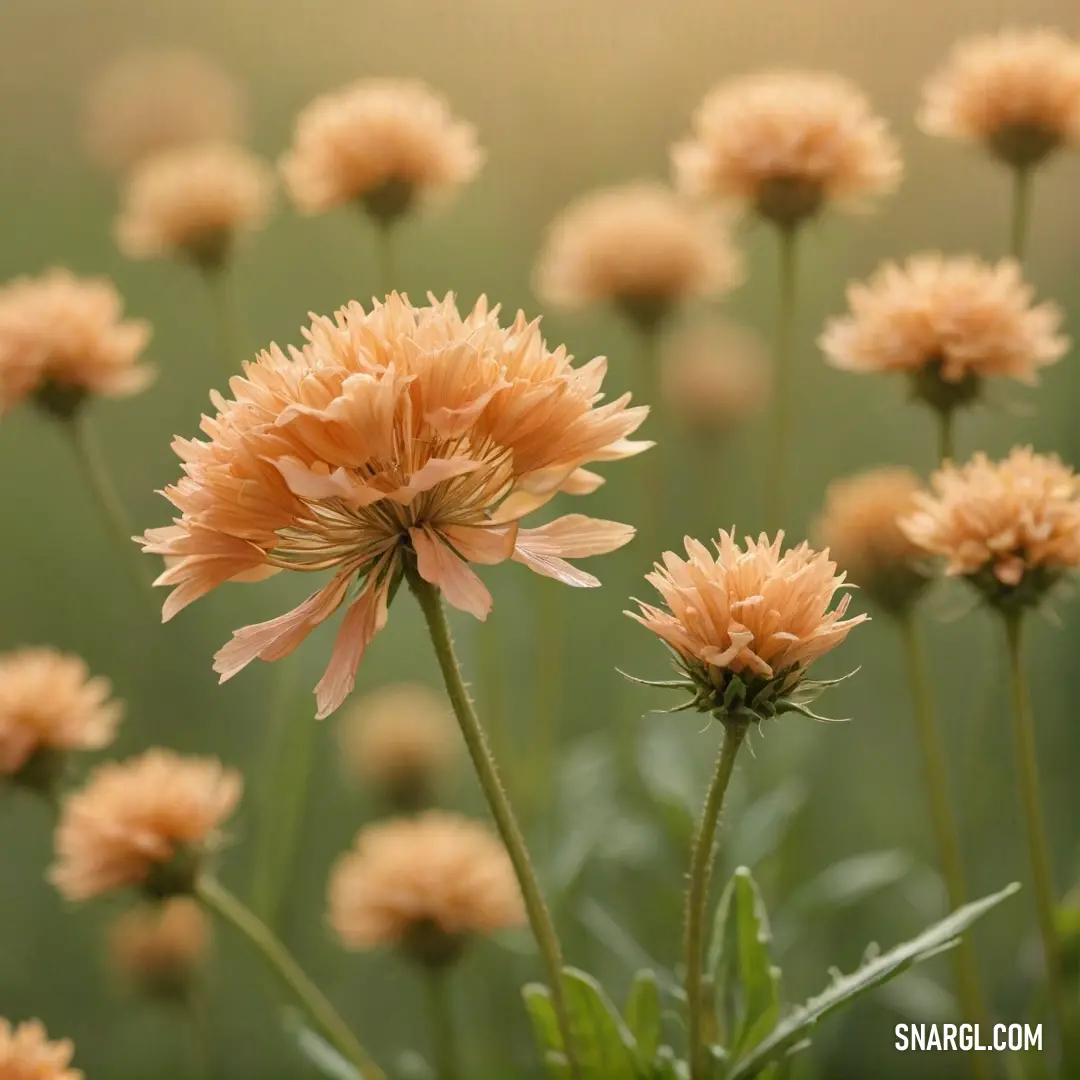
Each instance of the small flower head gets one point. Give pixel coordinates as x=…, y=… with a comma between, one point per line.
x=27, y=1054
x=640, y=247
x=50, y=705
x=155, y=100
x=948, y=324
x=786, y=144
x=400, y=739
x=1012, y=528
x=1017, y=92
x=715, y=375
x=424, y=884
x=193, y=202
x=160, y=948
x=401, y=441
x=860, y=527
x=145, y=822
x=385, y=144
x=746, y=624
x=62, y=339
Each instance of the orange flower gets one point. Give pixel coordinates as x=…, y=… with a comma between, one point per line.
x=746, y=624
x=161, y=946
x=382, y=142
x=49, y=703
x=63, y=337
x=397, y=439
x=640, y=247
x=159, y=99
x=1016, y=91
x=400, y=738
x=425, y=883
x=860, y=527
x=194, y=201
x=787, y=143
x=146, y=821
x=1012, y=527
x=947, y=323
x=27, y=1054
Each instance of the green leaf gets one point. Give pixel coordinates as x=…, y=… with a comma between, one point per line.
x=747, y=982
x=643, y=1015
x=545, y=1027
x=316, y=1050
x=794, y=1030
x=604, y=1046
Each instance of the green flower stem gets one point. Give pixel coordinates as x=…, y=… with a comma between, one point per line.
x=697, y=897
x=1021, y=212
x=653, y=516
x=782, y=378
x=1042, y=880
x=935, y=767
x=387, y=256
x=946, y=431
x=198, y=1027
x=218, y=899
x=547, y=691
x=219, y=280
x=99, y=483
x=479, y=751
x=286, y=787
x=441, y=1020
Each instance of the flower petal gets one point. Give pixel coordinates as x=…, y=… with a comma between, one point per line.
x=433, y=472
x=439, y=565
x=482, y=544
x=575, y=536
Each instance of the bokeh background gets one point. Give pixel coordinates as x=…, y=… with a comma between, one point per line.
x=567, y=96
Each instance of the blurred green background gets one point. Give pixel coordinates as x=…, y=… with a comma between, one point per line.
x=567, y=96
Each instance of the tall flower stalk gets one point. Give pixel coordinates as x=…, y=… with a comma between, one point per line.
x=783, y=390
x=499, y=804
x=1020, y=224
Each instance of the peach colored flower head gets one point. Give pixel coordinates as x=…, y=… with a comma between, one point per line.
x=640, y=247
x=194, y=201
x=747, y=623
x=160, y=947
x=50, y=703
x=397, y=439
x=63, y=337
x=714, y=375
x=1016, y=91
x=27, y=1054
x=159, y=99
x=424, y=883
x=787, y=143
x=144, y=822
x=383, y=143
x=947, y=323
x=1012, y=527
x=400, y=738
x=860, y=527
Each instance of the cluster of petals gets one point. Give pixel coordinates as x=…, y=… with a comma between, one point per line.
x=69, y=331
x=1009, y=517
x=27, y=1054
x=49, y=701
x=637, y=243
x=438, y=869
x=352, y=142
x=756, y=608
x=399, y=436
x=970, y=317
x=192, y=199
x=811, y=127
x=1013, y=79
x=135, y=815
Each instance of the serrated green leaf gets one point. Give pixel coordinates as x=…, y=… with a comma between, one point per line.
x=796, y=1028
x=316, y=1050
x=669, y=1067
x=643, y=1015
x=604, y=1047
x=546, y=1032
x=747, y=982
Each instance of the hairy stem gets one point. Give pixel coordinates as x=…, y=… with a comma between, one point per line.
x=697, y=896
x=487, y=773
